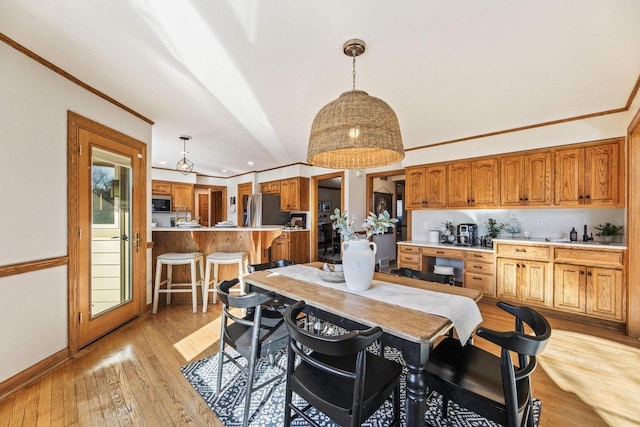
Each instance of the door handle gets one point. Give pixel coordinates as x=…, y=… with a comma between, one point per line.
x=137, y=242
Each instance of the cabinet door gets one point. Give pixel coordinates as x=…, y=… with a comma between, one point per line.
x=569, y=177
x=159, y=187
x=459, y=184
x=537, y=179
x=182, y=195
x=507, y=278
x=512, y=181
x=570, y=282
x=288, y=190
x=415, y=188
x=605, y=293
x=535, y=284
x=280, y=249
x=601, y=175
x=435, y=186
x=484, y=183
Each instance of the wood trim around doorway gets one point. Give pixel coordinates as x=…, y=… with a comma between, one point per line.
x=314, y=213
x=633, y=227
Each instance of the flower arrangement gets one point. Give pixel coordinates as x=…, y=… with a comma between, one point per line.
x=608, y=229
x=373, y=224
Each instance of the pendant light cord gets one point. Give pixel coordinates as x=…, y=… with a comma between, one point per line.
x=353, y=55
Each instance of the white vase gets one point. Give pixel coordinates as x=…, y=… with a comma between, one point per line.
x=358, y=261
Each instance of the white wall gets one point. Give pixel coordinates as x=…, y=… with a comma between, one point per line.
x=33, y=185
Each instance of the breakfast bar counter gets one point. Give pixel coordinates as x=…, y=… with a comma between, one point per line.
x=254, y=241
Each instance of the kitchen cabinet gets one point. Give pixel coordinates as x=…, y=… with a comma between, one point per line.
x=523, y=274
x=473, y=183
x=271, y=187
x=409, y=257
x=294, y=194
x=426, y=187
x=525, y=180
x=479, y=272
x=182, y=195
x=588, y=175
x=291, y=245
x=590, y=282
x=161, y=187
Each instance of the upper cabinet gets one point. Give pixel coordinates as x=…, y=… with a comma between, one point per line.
x=525, y=180
x=426, y=187
x=160, y=187
x=294, y=194
x=473, y=184
x=271, y=187
x=588, y=175
x=181, y=194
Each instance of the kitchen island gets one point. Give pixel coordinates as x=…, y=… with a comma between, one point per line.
x=254, y=241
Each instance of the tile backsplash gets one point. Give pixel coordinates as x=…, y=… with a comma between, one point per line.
x=541, y=223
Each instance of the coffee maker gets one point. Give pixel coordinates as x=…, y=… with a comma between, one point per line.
x=467, y=234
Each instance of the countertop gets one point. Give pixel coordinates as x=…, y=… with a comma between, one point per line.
x=261, y=228
x=523, y=241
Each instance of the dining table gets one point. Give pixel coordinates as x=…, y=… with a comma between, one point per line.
x=406, y=324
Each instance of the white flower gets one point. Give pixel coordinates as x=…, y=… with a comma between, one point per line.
x=373, y=224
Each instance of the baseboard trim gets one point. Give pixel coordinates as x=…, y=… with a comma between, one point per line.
x=33, y=372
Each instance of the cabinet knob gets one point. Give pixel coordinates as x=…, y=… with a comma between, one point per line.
x=589, y=274
x=582, y=273
x=587, y=197
x=580, y=197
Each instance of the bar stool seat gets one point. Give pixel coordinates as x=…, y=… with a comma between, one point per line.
x=178, y=258
x=215, y=259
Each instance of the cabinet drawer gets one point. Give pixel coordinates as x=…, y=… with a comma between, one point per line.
x=478, y=267
x=442, y=253
x=478, y=256
x=404, y=249
x=480, y=282
x=409, y=259
x=284, y=236
x=589, y=257
x=523, y=251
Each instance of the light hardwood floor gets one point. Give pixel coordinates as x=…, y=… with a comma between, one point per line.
x=132, y=376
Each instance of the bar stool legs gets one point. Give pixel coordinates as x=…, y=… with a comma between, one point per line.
x=214, y=260
x=175, y=258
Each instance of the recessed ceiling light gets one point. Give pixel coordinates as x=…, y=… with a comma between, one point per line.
x=250, y=163
x=163, y=162
x=224, y=171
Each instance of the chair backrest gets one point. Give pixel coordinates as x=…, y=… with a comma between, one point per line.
x=342, y=345
x=423, y=275
x=250, y=300
x=267, y=265
x=327, y=230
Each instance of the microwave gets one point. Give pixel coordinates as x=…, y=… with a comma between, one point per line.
x=161, y=204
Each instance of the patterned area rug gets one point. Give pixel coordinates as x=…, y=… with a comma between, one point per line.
x=267, y=408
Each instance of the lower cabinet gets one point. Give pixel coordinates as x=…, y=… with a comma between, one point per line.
x=524, y=280
x=596, y=291
x=479, y=271
x=291, y=245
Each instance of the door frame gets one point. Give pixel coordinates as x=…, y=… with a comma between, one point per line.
x=313, y=241
x=75, y=122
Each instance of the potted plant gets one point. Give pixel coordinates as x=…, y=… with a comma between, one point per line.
x=493, y=228
x=608, y=232
x=358, y=253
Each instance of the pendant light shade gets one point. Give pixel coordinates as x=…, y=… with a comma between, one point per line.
x=184, y=166
x=355, y=131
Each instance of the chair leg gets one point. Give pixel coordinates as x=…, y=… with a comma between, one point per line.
x=156, y=290
x=194, y=286
x=445, y=406
x=169, y=277
x=221, y=355
x=288, y=393
x=205, y=287
x=396, y=405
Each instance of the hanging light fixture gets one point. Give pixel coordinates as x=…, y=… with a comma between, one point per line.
x=184, y=166
x=355, y=131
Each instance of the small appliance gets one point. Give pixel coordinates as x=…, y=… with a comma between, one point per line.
x=467, y=234
x=161, y=204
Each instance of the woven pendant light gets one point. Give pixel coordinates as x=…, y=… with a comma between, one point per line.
x=355, y=131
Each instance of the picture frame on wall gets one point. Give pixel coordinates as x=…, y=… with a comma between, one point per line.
x=383, y=202
x=325, y=206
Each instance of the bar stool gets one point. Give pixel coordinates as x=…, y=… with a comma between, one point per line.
x=177, y=258
x=215, y=259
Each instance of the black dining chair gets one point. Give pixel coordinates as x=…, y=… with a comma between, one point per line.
x=274, y=304
x=445, y=279
x=253, y=336
x=337, y=375
x=491, y=386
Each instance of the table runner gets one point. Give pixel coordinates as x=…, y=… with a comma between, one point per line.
x=463, y=312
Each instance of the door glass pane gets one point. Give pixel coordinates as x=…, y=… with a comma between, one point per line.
x=110, y=231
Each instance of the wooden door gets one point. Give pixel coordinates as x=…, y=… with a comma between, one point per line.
x=415, y=188
x=569, y=177
x=570, y=284
x=601, y=174
x=537, y=179
x=512, y=181
x=507, y=278
x=109, y=257
x=203, y=209
x=244, y=189
x=459, y=184
x=435, y=186
x=605, y=293
x=484, y=183
x=216, y=207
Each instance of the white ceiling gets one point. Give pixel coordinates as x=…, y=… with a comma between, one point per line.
x=245, y=78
